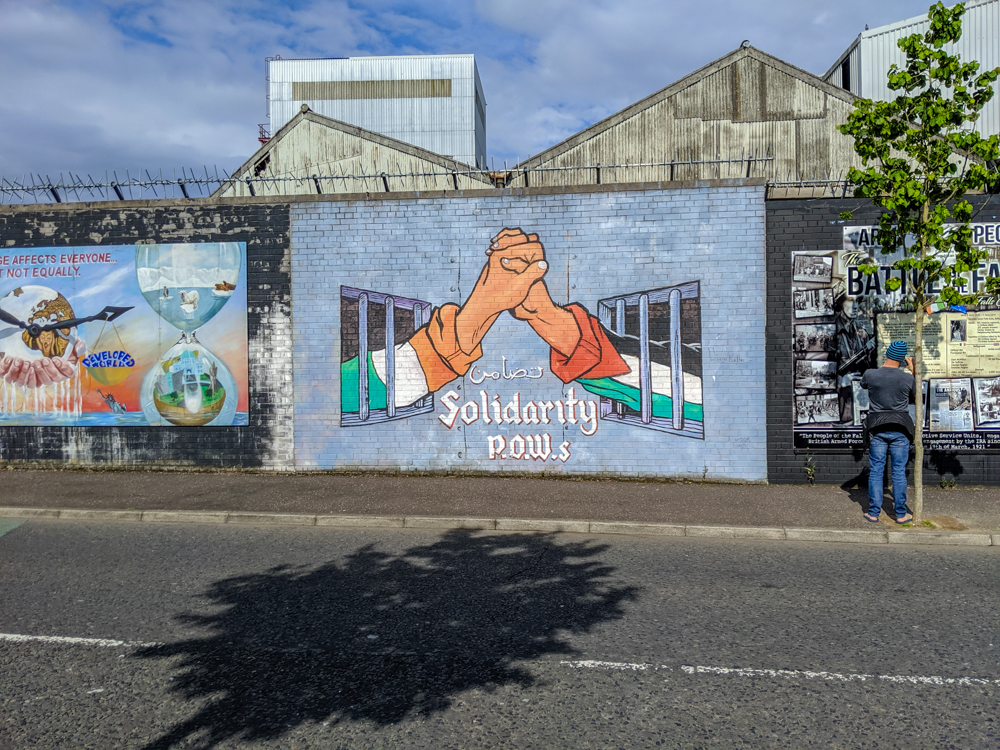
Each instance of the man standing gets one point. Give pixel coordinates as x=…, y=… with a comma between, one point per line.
x=890, y=391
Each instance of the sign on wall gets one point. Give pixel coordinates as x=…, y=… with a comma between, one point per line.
x=845, y=320
x=578, y=333
x=124, y=335
x=635, y=360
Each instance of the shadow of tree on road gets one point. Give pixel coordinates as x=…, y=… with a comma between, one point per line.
x=380, y=637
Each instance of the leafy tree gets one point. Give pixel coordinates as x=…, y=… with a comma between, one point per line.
x=921, y=157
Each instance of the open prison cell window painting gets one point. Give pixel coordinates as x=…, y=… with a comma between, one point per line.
x=391, y=384
x=658, y=333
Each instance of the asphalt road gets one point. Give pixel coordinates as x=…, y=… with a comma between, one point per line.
x=312, y=637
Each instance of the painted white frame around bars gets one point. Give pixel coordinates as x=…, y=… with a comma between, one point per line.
x=421, y=316
x=613, y=309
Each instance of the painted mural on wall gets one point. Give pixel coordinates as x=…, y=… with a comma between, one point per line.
x=843, y=322
x=635, y=360
x=124, y=335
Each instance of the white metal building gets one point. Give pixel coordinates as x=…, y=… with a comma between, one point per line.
x=435, y=102
x=864, y=67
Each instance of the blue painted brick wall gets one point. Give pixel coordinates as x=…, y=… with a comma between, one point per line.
x=598, y=245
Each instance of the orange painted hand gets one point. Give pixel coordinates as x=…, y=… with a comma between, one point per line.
x=516, y=262
x=556, y=325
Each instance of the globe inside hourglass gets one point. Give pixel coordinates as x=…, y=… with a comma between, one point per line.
x=187, y=285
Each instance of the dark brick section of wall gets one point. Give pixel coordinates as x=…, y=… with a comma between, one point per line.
x=815, y=225
x=267, y=441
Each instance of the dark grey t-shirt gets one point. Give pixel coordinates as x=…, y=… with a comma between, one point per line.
x=889, y=388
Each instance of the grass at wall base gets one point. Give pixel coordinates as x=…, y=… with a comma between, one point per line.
x=921, y=157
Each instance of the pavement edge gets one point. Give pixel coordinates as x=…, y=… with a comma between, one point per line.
x=848, y=536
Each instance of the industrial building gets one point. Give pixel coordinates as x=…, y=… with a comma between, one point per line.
x=319, y=155
x=863, y=68
x=435, y=102
x=747, y=114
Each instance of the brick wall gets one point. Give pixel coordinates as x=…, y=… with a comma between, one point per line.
x=267, y=441
x=815, y=225
x=599, y=245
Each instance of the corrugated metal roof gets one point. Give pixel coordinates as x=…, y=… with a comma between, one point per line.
x=316, y=154
x=745, y=104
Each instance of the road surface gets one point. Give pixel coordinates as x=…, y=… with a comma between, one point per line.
x=157, y=636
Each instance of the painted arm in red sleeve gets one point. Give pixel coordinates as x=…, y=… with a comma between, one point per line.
x=580, y=348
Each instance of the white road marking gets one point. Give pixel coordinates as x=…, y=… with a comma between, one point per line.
x=849, y=677
x=788, y=673
x=62, y=639
x=592, y=664
x=792, y=674
x=608, y=665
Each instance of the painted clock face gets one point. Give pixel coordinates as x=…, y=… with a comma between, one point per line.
x=35, y=304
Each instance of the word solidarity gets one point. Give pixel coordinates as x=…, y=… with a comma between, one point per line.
x=566, y=411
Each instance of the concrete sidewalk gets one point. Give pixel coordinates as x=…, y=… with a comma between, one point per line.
x=685, y=504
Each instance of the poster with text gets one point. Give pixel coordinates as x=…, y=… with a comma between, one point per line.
x=124, y=335
x=843, y=321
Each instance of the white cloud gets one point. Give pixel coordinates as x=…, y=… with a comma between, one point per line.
x=104, y=289
x=95, y=85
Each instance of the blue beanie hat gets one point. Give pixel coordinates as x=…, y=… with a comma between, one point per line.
x=896, y=351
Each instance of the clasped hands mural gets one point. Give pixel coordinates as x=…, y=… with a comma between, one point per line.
x=624, y=364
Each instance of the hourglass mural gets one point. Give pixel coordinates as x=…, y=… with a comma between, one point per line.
x=124, y=335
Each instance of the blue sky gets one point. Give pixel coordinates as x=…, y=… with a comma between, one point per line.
x=101, y=85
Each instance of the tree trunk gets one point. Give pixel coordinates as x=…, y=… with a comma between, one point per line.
x=918, y=375
x=918, y=432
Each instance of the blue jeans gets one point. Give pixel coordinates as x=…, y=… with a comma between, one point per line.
x=897, y=445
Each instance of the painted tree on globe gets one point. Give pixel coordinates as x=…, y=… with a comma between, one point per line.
x=921, y=157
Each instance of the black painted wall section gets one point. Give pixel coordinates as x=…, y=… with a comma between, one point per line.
x=267, y=441
x=815, y=225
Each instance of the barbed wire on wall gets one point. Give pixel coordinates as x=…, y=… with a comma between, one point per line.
x=144, y=185
x=323, y=179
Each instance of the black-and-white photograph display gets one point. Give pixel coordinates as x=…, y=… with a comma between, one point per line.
x=951, y=405
x=815, y=375
x=823, y=408
x=816, y=337
x=842, y=315
x=859, y=402
x=812, y=303
x=816, y=268
x=987, y=396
